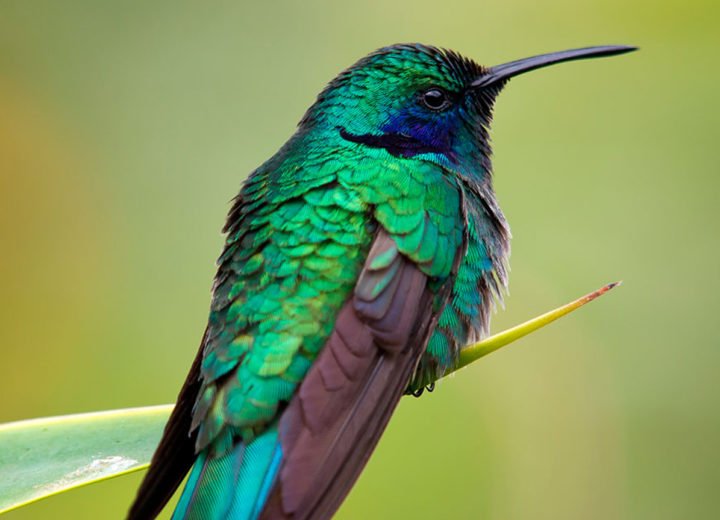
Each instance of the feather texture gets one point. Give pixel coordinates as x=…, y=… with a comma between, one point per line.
x=234, y=485
x=350, y=274
x=335, y=420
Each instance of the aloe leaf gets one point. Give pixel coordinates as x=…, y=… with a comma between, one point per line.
x=44, y=457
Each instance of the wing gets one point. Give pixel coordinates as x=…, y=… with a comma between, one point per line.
x=333, y=423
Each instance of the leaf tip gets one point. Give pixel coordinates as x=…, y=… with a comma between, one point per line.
x=595, y=294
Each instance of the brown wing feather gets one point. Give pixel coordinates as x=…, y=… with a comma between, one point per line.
x=174, y=455
x=333, y=423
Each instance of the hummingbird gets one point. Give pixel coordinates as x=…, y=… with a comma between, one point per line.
x=358, y=261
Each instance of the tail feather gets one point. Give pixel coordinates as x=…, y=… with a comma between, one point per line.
x=234, y=486
x=257, y=476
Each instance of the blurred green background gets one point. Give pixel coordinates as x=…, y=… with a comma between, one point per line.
x=126, y=127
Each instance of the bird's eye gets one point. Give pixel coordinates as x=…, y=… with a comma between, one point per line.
x=435, y=99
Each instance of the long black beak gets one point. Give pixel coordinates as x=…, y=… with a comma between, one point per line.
x=513, y=68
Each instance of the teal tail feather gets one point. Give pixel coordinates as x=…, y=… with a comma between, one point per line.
x=234, y=486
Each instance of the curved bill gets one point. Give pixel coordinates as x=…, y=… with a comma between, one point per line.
x=513, y=68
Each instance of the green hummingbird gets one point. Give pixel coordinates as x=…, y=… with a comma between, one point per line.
x=359, y=260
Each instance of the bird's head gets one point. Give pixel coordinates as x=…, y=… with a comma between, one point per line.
x=422, y=102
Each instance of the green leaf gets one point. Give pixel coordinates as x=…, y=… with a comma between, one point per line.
x=44, y=457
